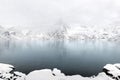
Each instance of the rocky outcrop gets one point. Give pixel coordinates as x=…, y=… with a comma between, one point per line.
x=112, y=70
x=7, y=72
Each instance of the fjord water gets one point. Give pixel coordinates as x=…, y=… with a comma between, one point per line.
x=86, y=58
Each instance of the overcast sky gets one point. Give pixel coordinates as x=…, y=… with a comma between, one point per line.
x=41, y=14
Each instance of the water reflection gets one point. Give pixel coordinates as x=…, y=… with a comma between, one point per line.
x=72, y=57
x=4, y=45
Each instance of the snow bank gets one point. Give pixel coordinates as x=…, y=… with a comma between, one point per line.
x=7, y=72
x=112, y=70
x=55, y=74
x=6, y=68
x=47, y=74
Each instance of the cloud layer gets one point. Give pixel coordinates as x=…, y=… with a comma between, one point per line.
x=43, y=14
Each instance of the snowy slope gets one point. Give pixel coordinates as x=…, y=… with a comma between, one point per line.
x=71, y=32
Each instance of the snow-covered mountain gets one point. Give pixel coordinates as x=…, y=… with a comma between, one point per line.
x=69, y=32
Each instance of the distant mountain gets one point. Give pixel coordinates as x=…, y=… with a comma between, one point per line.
x=69, y=32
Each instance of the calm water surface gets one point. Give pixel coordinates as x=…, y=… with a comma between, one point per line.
x=86, y=58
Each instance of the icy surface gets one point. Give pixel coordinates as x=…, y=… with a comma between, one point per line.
x=8, y=73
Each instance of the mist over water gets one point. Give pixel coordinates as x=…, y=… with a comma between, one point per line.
x=86, y=58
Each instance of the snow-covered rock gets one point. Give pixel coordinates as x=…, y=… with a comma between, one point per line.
x=112, y=70
x=6, y=68
x=7, y=72
x=47, y=74
x=57, y=72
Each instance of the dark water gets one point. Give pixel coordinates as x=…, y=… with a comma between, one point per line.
x=86, y=58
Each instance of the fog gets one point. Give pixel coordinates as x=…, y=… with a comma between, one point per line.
x=45, y=14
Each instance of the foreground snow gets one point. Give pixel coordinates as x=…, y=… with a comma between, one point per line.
x=69, y=32
x=7, y=72
x=112, y=70
x=47, y=74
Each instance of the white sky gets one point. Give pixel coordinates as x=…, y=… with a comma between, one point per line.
x=41, y=14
